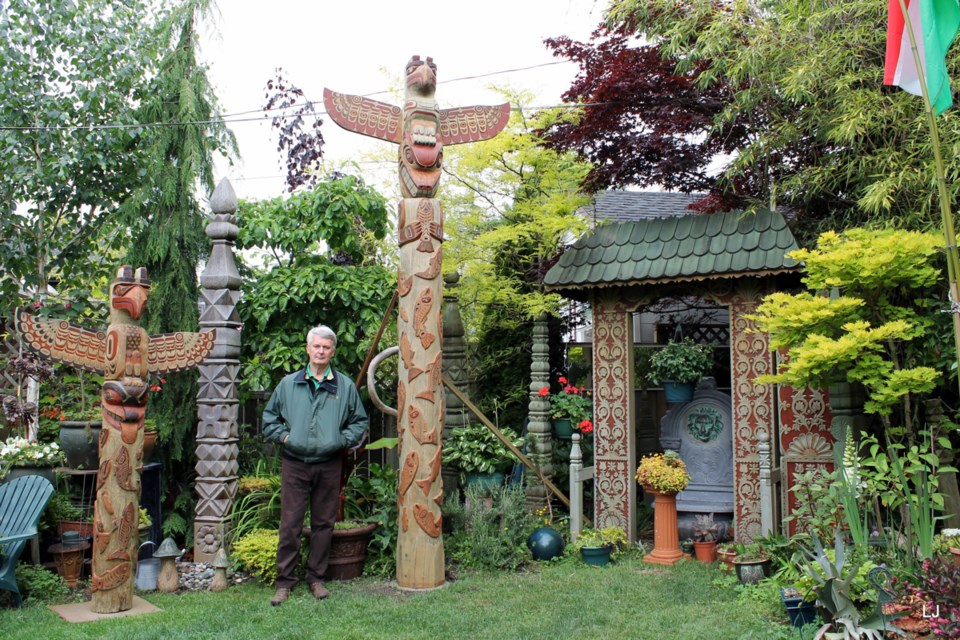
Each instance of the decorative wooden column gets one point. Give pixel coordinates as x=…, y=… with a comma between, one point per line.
x=421, y=130
x=615, y=457
x=538, y=425
x=753, y=406
x=217, y=402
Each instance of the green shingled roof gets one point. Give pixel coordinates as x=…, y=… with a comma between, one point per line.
x=690, y=247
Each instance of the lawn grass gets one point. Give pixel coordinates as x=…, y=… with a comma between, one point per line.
x=566, y=599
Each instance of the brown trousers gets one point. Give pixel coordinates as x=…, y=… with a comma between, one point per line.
x=318, y=485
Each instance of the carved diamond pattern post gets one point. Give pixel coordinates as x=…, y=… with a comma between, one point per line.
x=217, y=403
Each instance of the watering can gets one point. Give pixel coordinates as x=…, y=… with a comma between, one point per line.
x=147, y=571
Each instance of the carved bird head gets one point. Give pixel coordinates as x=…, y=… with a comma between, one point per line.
x=421, y=77
x=129, y=291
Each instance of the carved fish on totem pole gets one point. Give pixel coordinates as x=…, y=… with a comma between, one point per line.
x=125, y=355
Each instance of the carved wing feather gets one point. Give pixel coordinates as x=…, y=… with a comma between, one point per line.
x=471, y=124
x=64, y=342
x=180, y=350
x=363, y=115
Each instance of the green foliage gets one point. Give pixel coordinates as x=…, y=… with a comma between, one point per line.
x=371, y=495
x=257, y=506
x=862, y=334
x=475, y=449
x=68, y=64
x=837, y=580
x=307, y=280
x=511, y=207
x=681, y=361
x=39, y=584
x=257, y=553
x=490, y=533
x=809, y=118
x=589, y=537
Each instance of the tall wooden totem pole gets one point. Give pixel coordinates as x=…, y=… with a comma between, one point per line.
x=421, y=130
x=125, y=355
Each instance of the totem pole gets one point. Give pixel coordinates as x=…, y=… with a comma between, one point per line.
x=125, y=355
x=421, y=130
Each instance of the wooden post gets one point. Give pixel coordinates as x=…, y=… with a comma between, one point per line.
x=421, y=130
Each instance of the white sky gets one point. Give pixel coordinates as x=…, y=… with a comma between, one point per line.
x=361, y=47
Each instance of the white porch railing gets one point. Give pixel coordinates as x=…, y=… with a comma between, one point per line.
x=578, y=475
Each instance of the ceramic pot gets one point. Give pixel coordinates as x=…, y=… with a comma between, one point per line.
x=348, y=552
x=485, y=482
x=596, y=556
x=80, y=442
x=69, y=560
x=27, y=470
x=677, y=392
x=751, y=571
x=705, y=551
x=149, y=444
x=563, y=428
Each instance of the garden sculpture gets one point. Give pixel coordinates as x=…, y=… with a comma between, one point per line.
x=126, y=356
x=421, y=130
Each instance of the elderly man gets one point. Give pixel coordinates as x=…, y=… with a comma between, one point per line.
x=313, y=414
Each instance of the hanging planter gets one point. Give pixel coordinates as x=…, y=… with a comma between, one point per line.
x=678, y=366
x=80, y=442
x=677, y=392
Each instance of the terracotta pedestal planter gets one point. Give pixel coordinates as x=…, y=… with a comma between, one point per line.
x=69, y=560
x=666, y=540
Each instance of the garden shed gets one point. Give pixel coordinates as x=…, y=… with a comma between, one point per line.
x=650, y=247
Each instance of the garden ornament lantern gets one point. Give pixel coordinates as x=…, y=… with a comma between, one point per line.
x=220, y=564
x=126, y=355
x=169, y=579
x=421, y=130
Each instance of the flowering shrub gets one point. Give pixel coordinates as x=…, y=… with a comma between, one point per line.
x=571, y=402
x=663, y=472
x=20, y=452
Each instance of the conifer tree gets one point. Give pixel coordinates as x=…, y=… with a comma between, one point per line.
x=170, y=240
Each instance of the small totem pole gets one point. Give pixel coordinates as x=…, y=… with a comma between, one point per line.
x=125, y=355
x=421, y=130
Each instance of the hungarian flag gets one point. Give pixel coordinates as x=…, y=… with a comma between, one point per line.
x=935, y=24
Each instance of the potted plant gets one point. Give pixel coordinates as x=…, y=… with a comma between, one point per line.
x=19, y=456
x=801, y=608
x=705, y=532
x=947, y=543
x=571, y=409
x=751, y=563
x=726, y=552
x=479, y=454
x=679, y=365
x=664, y=475
x=598, y=546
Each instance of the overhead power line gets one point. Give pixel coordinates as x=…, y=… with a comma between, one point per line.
x=232, y=118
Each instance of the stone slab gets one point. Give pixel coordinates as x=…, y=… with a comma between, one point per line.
x=83, y=612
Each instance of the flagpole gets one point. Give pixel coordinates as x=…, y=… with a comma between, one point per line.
x=949, y=234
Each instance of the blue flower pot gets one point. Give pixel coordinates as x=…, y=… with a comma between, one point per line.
x=677, y=392
x=596, y=556
x=563, y=428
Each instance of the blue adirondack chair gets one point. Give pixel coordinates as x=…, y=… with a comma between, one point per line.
x=22, y=501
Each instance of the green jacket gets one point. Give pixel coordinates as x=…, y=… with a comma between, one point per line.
x=320, y=424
